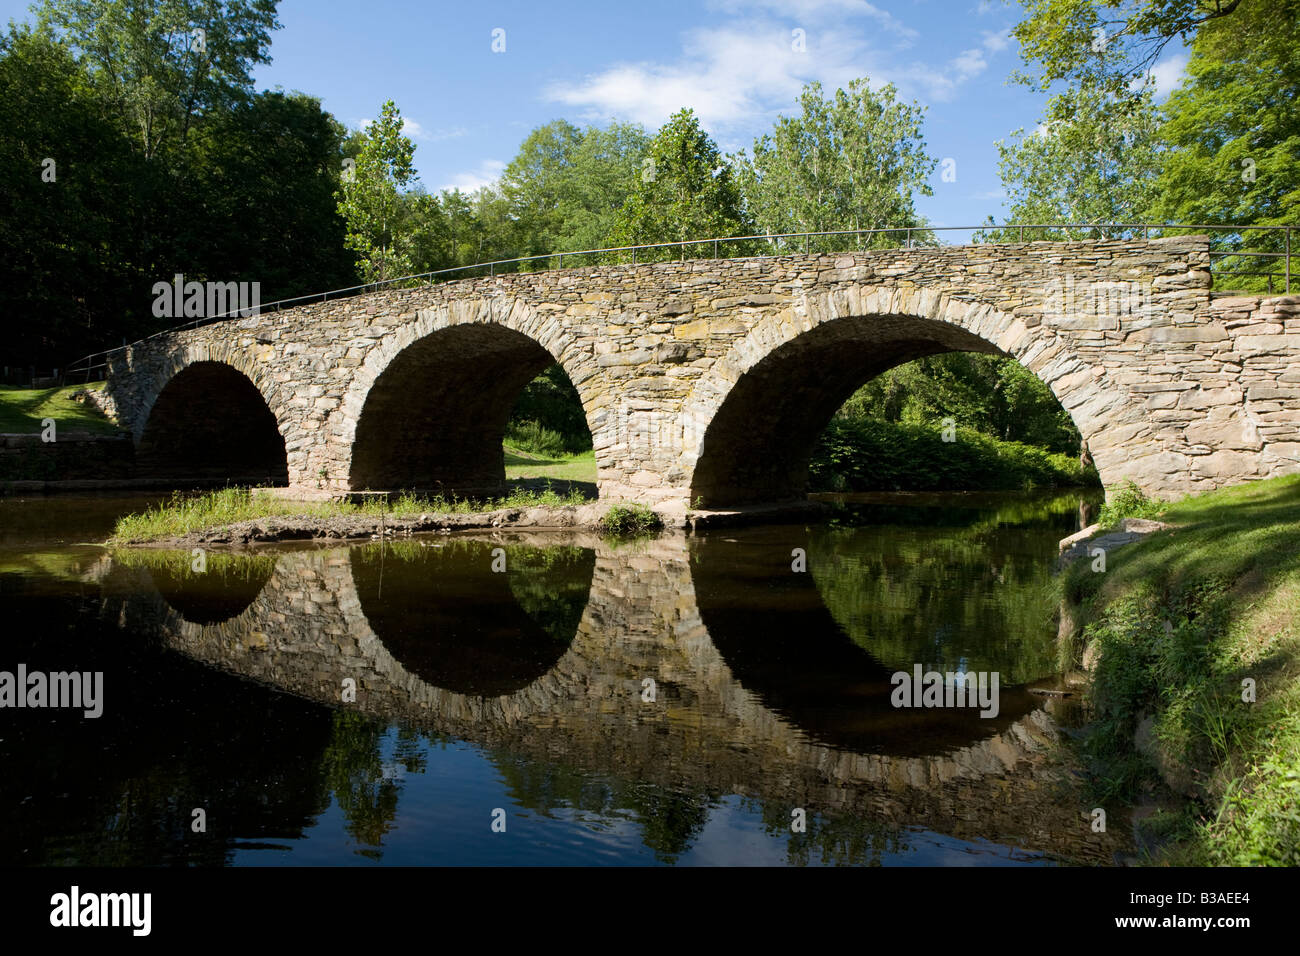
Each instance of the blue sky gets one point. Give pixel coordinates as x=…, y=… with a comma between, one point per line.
x=734, y=61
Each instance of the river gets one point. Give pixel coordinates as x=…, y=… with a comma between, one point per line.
x=726, y=697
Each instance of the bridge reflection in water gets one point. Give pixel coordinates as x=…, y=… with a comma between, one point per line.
x=770, y=687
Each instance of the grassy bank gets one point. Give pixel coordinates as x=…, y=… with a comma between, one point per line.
x=186, y=514
x=858, y=454
x=23, y=409
x=562, y=467
x=1179, y=624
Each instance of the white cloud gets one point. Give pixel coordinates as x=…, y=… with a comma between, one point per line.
x=747, y=70
x=727, y=75
x=485, y=174
x=1168, y=74
x=995, y=42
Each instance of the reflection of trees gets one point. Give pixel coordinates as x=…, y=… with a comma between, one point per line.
x=978, y=596
x=449, y=618
x=225, y=587
x=120, y=790
x=551, y=585
x=364, y=785
x=670, y=819
x=837, y=840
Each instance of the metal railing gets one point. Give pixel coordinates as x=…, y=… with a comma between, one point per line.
x=83, y=369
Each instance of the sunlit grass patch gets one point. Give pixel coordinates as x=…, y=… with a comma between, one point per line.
x=189, y=514
x=23, y=409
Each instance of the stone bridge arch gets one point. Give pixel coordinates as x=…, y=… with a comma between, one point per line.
x=209, y=411
x=755, y=417
x=428, y=405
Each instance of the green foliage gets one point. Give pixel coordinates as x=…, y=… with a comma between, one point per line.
x=548, y=417
x=1094, y=159
x=1233, y=137
x=1129, y=501
x=996, y=396
x=535, y=439
x=371, y=203
x=157, y=149
x=859, y=454
x=627, y=521
x=193, y=513
x=152, y=70
x=686, y=192
x=1108, y=43
x=853, y=161
x=566, y=185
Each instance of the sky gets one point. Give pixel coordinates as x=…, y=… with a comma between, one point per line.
x=738, y=63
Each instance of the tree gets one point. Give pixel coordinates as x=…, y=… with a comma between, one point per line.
x=69, y=188
x=566, y=185
x=272, y=166
x=993, y=395
x=1108, y=43
x=854, y=161
x=160, y=64
x=370, y=199
x=686, y=191
x=1093, y=160
x=1233, y=132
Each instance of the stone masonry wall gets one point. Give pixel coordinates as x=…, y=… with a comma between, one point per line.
x=1167, y=387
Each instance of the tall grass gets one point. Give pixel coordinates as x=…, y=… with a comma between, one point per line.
x=1186, y=624
x=188, y=514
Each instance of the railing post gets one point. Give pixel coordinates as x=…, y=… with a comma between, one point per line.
x=715, y=248
x=1288, y=260
x=634, y=255
x=561, y=260
x=1020, y=237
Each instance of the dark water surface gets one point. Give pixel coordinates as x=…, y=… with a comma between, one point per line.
x=685, y=699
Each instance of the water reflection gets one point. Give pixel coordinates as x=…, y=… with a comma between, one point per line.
x=457, y=623
x=528, y=688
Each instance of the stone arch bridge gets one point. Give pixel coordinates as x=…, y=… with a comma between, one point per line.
x=709, y=380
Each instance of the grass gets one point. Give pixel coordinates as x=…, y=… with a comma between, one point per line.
x=1180, y=621
x=1130, y=501
x=22, y=410
x=187, y=514
x=629, y=521
x=521, y=464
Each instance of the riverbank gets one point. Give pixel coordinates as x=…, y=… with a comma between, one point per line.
x=1191, y=640
x=242, y=516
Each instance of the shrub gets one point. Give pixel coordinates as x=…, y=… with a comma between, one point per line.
x=857, y=454
x=629, y=521
x=1130, y=501
x=536, y=439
